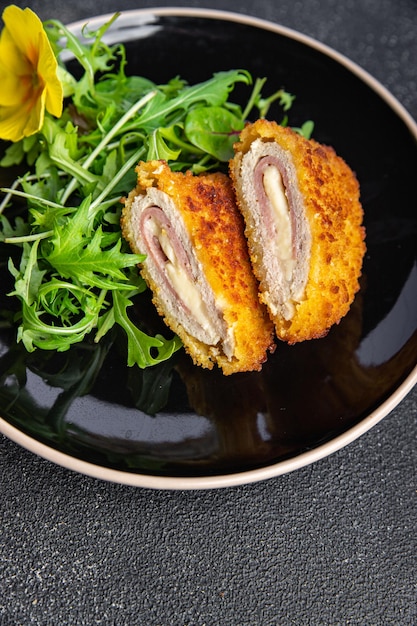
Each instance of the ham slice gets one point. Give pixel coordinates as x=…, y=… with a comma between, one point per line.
x=303, y=221
x=197, y=265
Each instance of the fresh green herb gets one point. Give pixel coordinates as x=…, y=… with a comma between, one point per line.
x=76, y=276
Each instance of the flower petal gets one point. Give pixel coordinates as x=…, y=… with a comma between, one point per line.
x=12, y=123
x=48, y=71
x=28, y=75
x=25, y=27
x=15, y=123
x=11, y=58
x=12, y=91
x=13, y=66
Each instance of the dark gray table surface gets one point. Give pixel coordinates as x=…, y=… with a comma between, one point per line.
x=333, y=543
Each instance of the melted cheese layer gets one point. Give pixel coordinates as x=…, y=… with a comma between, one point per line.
x=183, y=285
x=275, y=191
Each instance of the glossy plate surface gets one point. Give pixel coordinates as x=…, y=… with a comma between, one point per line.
x=181, y=427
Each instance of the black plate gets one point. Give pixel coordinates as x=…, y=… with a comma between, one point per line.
x=179, y=426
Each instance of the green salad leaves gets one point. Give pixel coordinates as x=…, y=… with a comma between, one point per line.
x=73, y=274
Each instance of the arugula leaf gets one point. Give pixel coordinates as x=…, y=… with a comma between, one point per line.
x=214, y=92
x=141, y=347
x=95, y=58
x=159, y=148
x=20, y=228
x=306, y=129
x=35, y=333
x=214, y=130
x=28, y=278
x=76, y=252
x=13, y=155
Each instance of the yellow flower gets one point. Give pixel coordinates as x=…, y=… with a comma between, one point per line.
x=28, y=75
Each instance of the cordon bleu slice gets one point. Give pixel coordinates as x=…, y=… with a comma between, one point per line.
x=197, y=265
x=303, y=221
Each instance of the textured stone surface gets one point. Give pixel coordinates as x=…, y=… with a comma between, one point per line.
x=333, y=543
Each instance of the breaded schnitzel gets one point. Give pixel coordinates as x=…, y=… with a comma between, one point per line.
x=303, y=218
x=198, y=266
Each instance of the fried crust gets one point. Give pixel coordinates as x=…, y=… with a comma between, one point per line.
x=332, y=205
x=216, y=230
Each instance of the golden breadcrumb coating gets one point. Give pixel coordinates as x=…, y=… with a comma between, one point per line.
x=331, y=199
x=216, y=230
